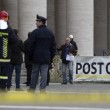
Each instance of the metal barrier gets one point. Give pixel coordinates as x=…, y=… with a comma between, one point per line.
x=55, y=72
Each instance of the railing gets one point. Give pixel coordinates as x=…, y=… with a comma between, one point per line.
x=101, y=53
x=55, y=72
x=105, y=53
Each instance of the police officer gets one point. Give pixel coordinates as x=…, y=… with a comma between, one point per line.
x=7, y=37
x=42, y=48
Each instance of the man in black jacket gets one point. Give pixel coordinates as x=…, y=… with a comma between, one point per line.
x=42, y=49
x=7, y=38
x=16, y=61
x=28, y=63
x=73, y=43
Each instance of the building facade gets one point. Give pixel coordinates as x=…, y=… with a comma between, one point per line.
x=87, y=20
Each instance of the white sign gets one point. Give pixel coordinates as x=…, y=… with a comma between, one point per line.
x=92, y=69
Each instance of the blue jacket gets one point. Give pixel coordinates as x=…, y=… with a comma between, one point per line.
x=42, y=45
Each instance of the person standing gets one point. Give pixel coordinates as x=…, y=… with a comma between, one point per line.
x=73, y=43
x=16, y=61
x=67, y=49
x=7, y=38
x=42, y=49
x=28, y=63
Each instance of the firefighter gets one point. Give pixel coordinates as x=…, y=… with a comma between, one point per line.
x=7, y=37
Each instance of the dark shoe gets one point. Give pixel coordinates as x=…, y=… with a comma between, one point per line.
x=25, y=83
x=64, y=83
x=71, y=82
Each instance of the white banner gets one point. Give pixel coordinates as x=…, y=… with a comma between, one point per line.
x=91, y=69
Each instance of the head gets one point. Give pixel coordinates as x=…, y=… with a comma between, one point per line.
x=71, y=37
x=4, y=16
x=67, y=41
x=40, y=21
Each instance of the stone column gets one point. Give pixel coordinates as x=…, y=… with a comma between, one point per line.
x=0, y=5
x=11, y=7
x=100, y=26
x=51, y=14
x=28, y=9
x=80, y=23
x=108, y=29
x=60, y=21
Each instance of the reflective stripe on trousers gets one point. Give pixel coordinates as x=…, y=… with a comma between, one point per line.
x=3, y=77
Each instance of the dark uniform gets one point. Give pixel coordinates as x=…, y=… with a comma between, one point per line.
x=7, y=37
x=42, y=49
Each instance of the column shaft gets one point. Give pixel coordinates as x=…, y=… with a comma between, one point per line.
x=11, y=8
x=60, y=20
x=100, y=26
x=80, y=23
x=0, y=4
x=108, y=29
x=51, y=14
x=28, y=9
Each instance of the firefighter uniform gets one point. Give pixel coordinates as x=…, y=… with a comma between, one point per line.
x=7, y=37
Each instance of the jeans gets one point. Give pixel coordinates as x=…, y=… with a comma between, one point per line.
x=43, y=69
x=70, y=68
x=17, y=78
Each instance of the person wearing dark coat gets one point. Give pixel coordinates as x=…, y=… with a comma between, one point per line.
x=28, y=63
x=7, y=38
x=16, y=61
x=73, y=43
x=67, y=49
x=41, y=49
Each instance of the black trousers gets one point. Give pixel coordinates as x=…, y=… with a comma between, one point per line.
x=48, y=74
x=3, y=76
x=29, y=71
x=48, y=77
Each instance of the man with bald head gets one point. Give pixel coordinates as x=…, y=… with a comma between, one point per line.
x=67, y=49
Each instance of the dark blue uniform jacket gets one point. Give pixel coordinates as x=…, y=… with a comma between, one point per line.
x=42, y=46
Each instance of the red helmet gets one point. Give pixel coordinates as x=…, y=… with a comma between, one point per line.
x=4, y=15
